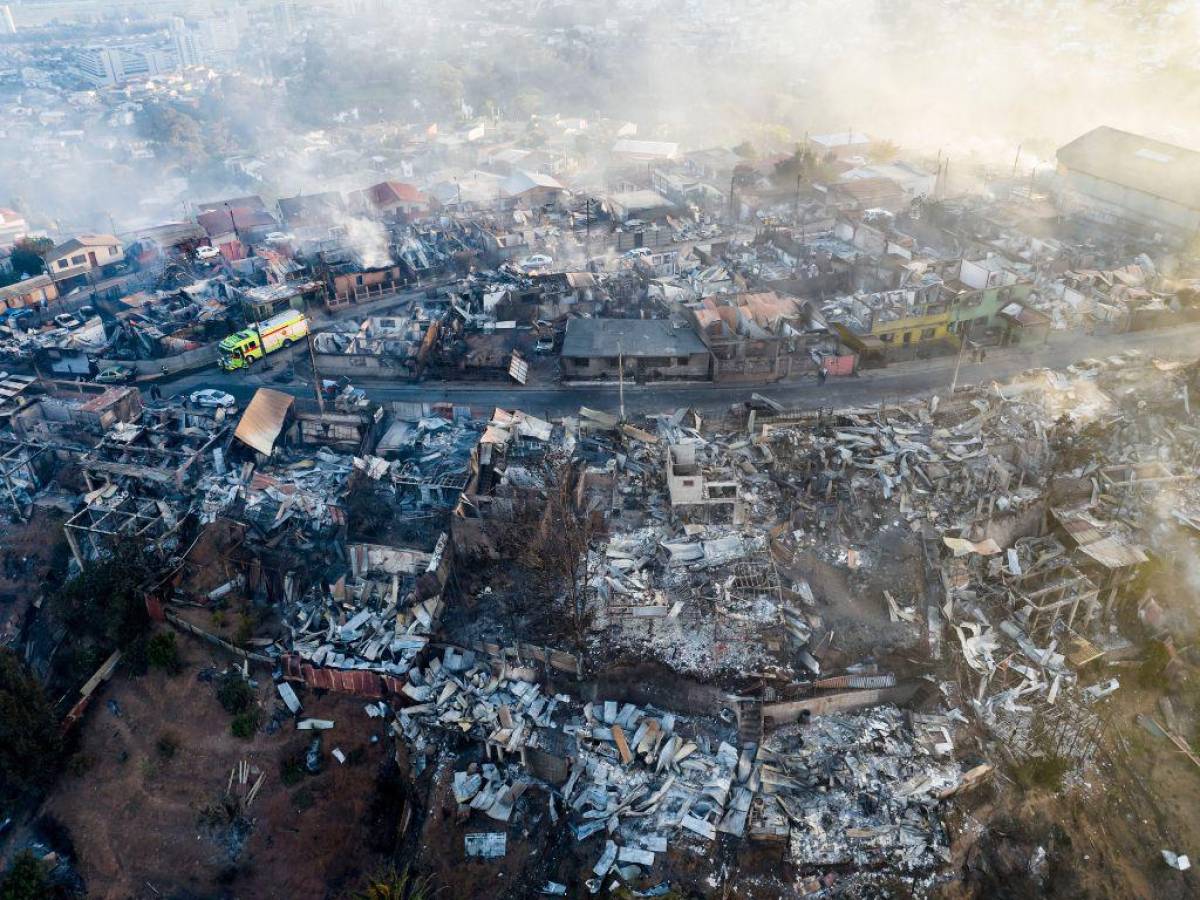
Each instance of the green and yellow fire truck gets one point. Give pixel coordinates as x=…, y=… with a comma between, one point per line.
x=240, y=350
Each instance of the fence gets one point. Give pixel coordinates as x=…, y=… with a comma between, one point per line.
x=217, y=641
x=199, y=358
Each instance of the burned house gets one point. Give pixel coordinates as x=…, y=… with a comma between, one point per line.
x=378, y=345
x=759, y=336
x=163, y=448
x=637, y=349
x=25, y=467
x=311, y=214
x=350, y=280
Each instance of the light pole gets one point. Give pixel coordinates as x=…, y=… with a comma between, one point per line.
x=962, y=346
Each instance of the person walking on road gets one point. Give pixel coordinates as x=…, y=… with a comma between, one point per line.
x=822, y=374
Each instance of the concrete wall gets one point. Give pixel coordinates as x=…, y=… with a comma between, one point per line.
x=1116, y=201
x=649, y=684
x=359, y=365
x=776, y=714
x=199, y=358
x=696, y=368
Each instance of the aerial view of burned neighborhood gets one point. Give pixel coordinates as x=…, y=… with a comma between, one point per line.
x=599, y=448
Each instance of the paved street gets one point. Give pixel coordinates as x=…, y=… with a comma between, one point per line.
x=898, y=381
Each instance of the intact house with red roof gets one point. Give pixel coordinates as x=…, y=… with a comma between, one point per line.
x=390, y=200
x=233, y=225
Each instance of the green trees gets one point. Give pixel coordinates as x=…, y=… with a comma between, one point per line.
x=393, y=884
x=30, y=743
x=104, y=609
x=163, y=653
x=27, y=256
x=746, y=150
x=26, y=879
x=236, y=696
x=177, y=131
x=105, y=601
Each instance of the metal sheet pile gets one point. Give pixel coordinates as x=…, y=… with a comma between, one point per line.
x=856, y=788
x=860, y=789
x=305, y=492
x=907, y=459
x=372, y=620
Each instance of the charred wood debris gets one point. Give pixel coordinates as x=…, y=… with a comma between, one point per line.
x=732, y=557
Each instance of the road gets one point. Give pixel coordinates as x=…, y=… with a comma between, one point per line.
x=899, y=381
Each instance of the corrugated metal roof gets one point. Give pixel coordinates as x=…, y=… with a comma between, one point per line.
x=263, y=419
x=1140, y=163
x=586, y=338
x=1114, y=553
x=1081, y=530
x=581, y=279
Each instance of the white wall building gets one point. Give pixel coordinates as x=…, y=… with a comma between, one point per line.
x=108, y=66
x=1113, y=175
x=210, y=42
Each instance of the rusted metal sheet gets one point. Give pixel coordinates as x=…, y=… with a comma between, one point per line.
x=839, y=682
x=345, y=681
x=263, y=419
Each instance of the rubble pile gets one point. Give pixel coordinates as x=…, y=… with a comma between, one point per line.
x=376, y=620
x=305, y=491
x=861, y=789
x=695, y=598
x=856, y=788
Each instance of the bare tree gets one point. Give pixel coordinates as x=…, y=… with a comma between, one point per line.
x=557, y=549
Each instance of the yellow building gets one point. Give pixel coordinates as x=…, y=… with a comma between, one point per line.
x=913, y=329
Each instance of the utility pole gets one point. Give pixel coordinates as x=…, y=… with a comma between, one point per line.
x=1017, y=160
x=233, y=222
x=312, y=358
x=962, y=346
x=621, y=380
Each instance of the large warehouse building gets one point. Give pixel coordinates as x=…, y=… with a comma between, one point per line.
x=1115, y=176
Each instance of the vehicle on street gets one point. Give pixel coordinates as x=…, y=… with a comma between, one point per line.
x=1086, y=368
x=204, y=254
x=536, y=262
x=115, y=375
x=212, y=398
x=19, y=319
x=66, y=320
x=240, y=350
x=638, y=253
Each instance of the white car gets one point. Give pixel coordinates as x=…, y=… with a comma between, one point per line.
x=537, y=261
x=66, y=320
x=206, y=253
x=211, y=397
x=277, y=237
x=638, y=253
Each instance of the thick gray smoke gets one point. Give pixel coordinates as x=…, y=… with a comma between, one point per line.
x=972, y=79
